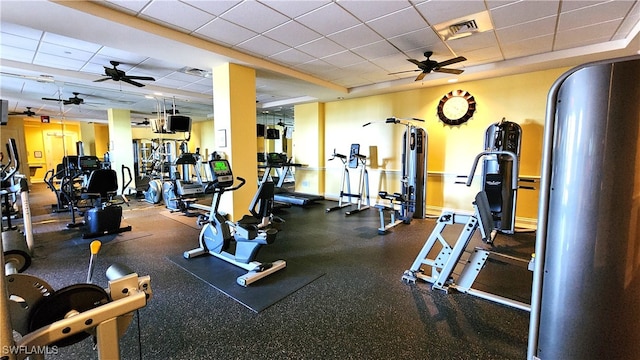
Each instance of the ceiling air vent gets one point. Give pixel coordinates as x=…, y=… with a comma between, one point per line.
x=465, y=26
x=195, y=72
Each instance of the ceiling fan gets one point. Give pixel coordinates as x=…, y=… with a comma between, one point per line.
x=428, y=65
x=116, y=74
x=75, y=100
x=27, y=112
x=142, y=123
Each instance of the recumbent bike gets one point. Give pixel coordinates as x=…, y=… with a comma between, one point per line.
x=218, y=232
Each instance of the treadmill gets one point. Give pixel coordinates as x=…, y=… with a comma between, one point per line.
x=282, y=166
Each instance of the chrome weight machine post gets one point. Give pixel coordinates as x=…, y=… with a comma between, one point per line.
x=364, y=202
x=344, y=179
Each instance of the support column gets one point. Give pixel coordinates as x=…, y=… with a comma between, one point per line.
x=88, y=138
x=234, y=110
x=120, y=148
x=308, y=148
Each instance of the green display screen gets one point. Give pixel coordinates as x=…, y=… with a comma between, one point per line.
x=221, y=166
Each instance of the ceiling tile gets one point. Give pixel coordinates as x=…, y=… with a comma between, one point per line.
x=317, y=19
x=586, y=35
x=160, y=68
x=177, y=14
x=292, y=33
x=629, y=23
x=321, y=47
x=579, y=4
x=522, y=12
x=593, y=15
x=318, y=67
x=18, y=42
x=106, y=54
x=365, y=12
x=16, y=54
x=19, y=30
x=217, y=7
x=423, y=38
x=57, y=62
x=394, y=63
x=398, y=23
x=528, y=47
x=439, y=49
x=177, y=75
x=375, y=50
x=356, y=36
x=263, y=46
x=492, y=4
x=343, y=59
x=66, y=52
x=69, y=42
x=532, y=29
x=127, y=6
x=294, y=8
x=269, y=18
x=222, y=31
x=480, y=56
x=170, y=83
x=437, y=11
x=473, y=42
x=292, y=57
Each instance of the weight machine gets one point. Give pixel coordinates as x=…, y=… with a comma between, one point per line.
x=410, y=203
x=500, y=169
x=48, y=318
x=354, y=161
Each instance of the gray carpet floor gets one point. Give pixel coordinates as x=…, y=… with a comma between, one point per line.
x=360, y=309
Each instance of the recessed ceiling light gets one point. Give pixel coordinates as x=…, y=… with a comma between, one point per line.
x=452, y=80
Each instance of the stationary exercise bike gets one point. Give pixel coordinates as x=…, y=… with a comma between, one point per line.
x=218, y=232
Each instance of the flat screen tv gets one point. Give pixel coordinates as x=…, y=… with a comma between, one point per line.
x=4, y=112
x=179, y=123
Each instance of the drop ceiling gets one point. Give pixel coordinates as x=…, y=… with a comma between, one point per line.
x=302, y=51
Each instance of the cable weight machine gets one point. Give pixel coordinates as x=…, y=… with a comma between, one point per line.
x=410, y=203
x=354, y=161
x=500, y=168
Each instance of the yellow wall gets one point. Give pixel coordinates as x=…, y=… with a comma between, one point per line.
x=43, y=144
x=102, y=139
x=518, y=98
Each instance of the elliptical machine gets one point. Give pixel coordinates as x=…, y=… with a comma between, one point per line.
x=218, y=232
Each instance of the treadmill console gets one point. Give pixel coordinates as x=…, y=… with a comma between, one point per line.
x=221, y=172
x=276, y=159
x=88, y=163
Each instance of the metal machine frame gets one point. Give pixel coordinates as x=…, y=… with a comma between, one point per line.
x=411, y=202
x=500, y=171
x=443, y=264
x=355, y=161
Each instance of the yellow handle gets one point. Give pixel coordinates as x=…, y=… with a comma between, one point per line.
x=95, y=247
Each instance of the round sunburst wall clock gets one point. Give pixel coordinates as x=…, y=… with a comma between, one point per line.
x=456, y=107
